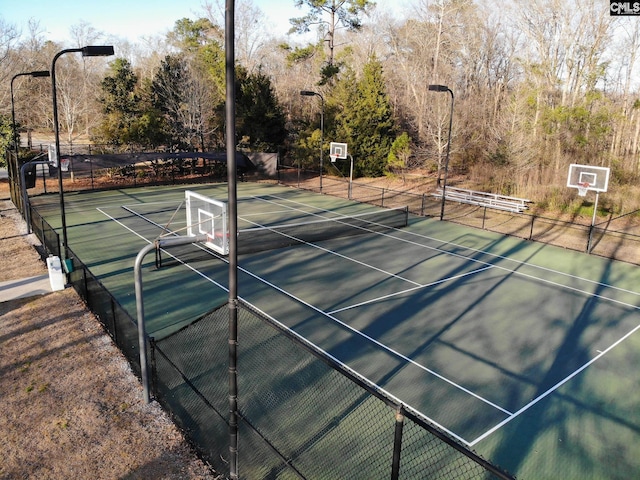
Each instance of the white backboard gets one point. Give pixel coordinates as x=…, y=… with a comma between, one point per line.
x=338, y=150
x=597, y=178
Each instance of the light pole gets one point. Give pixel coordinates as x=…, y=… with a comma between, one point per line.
x=444, y=88
x=309, y=93
x=90, y=51
x=14, y=131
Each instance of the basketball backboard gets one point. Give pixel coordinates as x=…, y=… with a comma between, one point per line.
x=337, y=150
x=589, y=177
x=208, y=216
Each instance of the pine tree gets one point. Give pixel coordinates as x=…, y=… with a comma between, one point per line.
x=121, y=105
x=366, y=121
x=260, y=118
x=328, y=16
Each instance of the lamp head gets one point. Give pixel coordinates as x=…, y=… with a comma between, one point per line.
x=308, y=93
x=97, y=51
x=438, y=88
x=40, y=73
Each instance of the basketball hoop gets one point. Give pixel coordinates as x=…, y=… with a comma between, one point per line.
x=582, y=188
x=64, y=164
x=334, y=157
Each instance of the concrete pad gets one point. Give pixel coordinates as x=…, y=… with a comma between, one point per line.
x=24, y=287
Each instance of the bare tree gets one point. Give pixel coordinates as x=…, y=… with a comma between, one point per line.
x=626, y=129
x=564, y=54
x=9, y=37
x=77, y=87
x=84, y=34
x=250, y=38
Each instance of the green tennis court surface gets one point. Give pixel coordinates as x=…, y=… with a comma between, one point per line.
x=524, y=352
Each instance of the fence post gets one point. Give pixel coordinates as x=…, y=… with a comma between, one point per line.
x=154, y=369
x=85, y=287
x=591, y=228
x=397, y=444
x=114, y=323
x=533, y=217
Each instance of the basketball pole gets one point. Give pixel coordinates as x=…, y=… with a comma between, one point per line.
x=589, y=177
x=351, y=177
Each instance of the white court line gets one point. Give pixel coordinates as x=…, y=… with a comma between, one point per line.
x=142, y=204
x=198, y=272
x=427, y=285
x=384, y=347
x=488, y=265
x=261, y=214
x=501, y=257
x=331, y=252
x=553, y=389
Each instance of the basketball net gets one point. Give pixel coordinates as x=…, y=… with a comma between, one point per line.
x=334, y=158
x=582, y=188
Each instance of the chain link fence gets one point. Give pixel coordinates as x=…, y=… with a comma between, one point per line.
x=303, y=415
x=616, y=237
x=90, y=167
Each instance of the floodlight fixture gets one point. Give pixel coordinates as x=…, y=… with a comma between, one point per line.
x=88, y=51
x=97, y=51
x=13, y=169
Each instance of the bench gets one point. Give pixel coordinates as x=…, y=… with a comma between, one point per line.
x=483, y=199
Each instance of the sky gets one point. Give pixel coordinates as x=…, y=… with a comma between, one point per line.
x=133, y=19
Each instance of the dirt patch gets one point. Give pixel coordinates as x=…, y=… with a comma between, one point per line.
x=71, y=406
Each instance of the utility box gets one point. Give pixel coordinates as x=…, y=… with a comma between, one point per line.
x=56, y=275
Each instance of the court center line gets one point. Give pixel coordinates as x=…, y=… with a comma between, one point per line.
x=427, y=285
